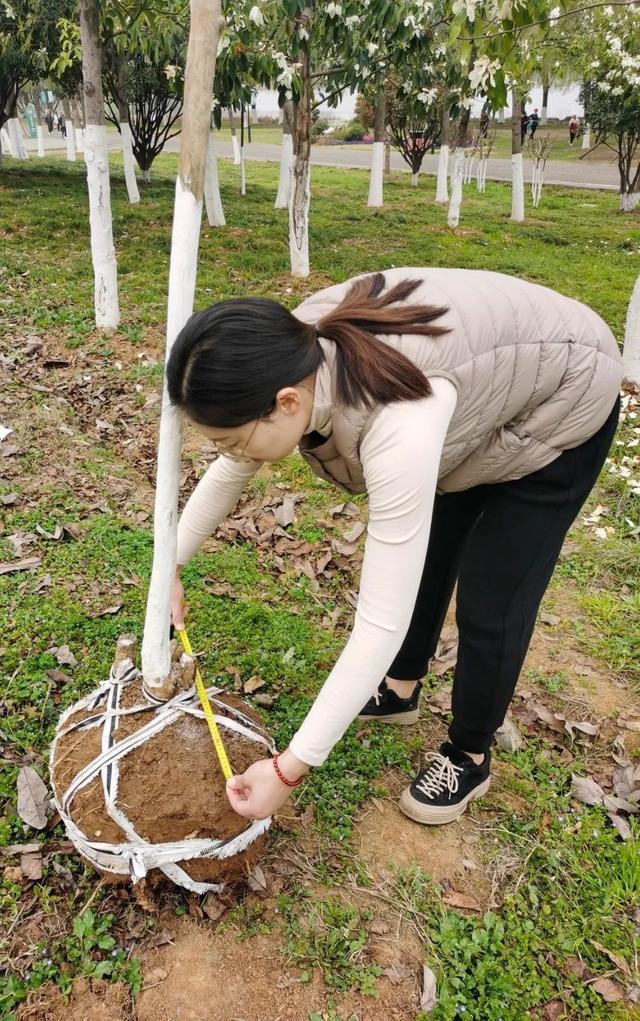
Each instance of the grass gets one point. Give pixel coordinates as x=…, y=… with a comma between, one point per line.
x=575, y=882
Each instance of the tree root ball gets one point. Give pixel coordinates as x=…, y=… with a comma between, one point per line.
x=171, y=787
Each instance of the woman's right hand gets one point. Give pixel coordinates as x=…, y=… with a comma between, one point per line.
x=178, y=604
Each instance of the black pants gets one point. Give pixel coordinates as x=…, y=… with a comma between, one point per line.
x=501, y=543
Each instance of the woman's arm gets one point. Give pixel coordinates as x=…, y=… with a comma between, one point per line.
x=215, y=496
x=400, y=457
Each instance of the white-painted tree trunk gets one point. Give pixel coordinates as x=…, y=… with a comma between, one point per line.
x=414, y=180
x=501, y=116
x=146, y=176
x=481, y=179
x=215, y=212
x=455, y=203
x=631, y=349
x=442, y=191
x=243, y=172
x=236, y=150
x=543, y=116
x=40, y=136
x=629, y=201
x=586, y=137
x=80, y=139
x=70, y=140
x=5, y=141
x=517, y=187
x=187, y=218
x=129, y=163
x=375, y=178
x=284, y=180
x=299, y=217
x=18, y=150
x=102, y=251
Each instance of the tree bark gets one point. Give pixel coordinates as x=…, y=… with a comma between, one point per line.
x=631, y=349
x=387, y=159
x=442, y=194
x=300, y=178
x=376, y=196
x=14, y=128
x=517, y=176
x=234, y=137
x=127, y=152
x=545, y=102
x=76, y=117
x=586, y=137
x=286, y=158
x=70, y=131
x=39, y=122
x=243, y=169
x=457, y=171
x=204, y=32
x=213, y=202
x=95, y=153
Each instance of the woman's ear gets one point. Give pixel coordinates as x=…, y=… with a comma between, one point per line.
x=288, y=401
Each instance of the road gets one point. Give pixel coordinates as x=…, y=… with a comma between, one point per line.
x=572, y=175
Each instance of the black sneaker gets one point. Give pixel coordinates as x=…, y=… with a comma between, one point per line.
x=442, y=791
x=387, y=707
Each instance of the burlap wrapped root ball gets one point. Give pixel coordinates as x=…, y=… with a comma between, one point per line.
x=138, y=784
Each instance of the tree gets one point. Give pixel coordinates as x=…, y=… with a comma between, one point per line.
x=414, y=123
x=187, y=216
x=631, y=350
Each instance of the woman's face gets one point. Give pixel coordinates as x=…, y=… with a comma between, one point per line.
x=272, y=437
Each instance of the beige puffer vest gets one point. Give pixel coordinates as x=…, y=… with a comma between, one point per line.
x=536, y=374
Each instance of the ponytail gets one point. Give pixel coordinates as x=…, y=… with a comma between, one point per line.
x=368, y=371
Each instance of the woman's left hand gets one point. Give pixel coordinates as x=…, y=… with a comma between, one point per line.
x=258, y=792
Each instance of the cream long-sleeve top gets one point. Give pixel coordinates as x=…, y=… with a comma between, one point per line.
x=400, y=457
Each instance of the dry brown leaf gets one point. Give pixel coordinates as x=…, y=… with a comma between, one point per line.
x=27, y=564
x=64, y=656
x=453, y=899
x=440, y=665
x=286, y=512
x=398, y=973
x=345, y=549
x=619, y=962
x=108, y=611
x=213, y=907
x=33, y=798
x=263, y=699
x=429, y=997
x=257, y=881
x=550, y=618
x=621, y=825
x=253, y=684
x=508, y=737
x=348, y=510
x=31, y=865
x=575, y=967
x=355, y=532
x=586, y=790
x=553, y=1010
x=608, y=989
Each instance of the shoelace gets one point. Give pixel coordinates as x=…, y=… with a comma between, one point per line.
x=441, y=775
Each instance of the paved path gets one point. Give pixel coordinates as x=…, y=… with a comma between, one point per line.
x=573, y=175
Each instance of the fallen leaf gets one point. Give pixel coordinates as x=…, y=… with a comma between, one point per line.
x=619, y=962
x=12, y=874
x=440, y=665
x=378, y=927
x=31, y=865
x=109, y=610
x=453, y=899
x=154, y=976
x=213, y=907
x=7, y=499
x=508, y=737
x=28, y=564
x=615, y=804
x=65, y=656
x=575, y=967
x=550, y=618
x=621, y=825
x=609, y=990
x=253, y=684
x=553, y=1010
x=355, y=532
x=345, y=549
x=585, y=789
x=256, y=881
x=349, y=510
x=33, y=798
x=398, y=973
x=429, y=997
x=11, y=849
x=57, y=533
x=263, y=699
x=286, y=512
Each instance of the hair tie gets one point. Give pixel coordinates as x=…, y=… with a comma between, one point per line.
x=315, y=326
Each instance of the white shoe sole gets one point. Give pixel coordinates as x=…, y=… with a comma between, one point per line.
x=403, y=719
x=438, y=815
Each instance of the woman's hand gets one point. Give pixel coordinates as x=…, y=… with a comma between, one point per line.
x=178, y=603
x=258, y=792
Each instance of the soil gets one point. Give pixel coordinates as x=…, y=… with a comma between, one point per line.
x=170, y=788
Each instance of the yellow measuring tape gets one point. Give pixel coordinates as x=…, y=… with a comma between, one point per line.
x=208, y=712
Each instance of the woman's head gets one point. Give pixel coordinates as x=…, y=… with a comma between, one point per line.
x=243, y=370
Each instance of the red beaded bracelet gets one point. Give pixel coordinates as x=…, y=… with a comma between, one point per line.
x=281, y=776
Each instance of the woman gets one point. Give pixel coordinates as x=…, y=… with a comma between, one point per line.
x=476, y=410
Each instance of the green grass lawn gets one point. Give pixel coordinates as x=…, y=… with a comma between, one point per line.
x=572, y=886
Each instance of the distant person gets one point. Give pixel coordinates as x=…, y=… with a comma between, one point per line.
x=484, y=122
x=534, y=120
x=573, y=129
x=524, y=124
x=63, y=125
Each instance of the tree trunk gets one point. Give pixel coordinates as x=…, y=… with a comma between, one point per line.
x=387, y=159
x=16, y=138
x=76, y=117
x=629, y=201
x=234, y=137
x=545, y=102
x=586, y=137
x=376, y=197
x=39, y=122
x=500, y=115
x=95, y=153
x=243, y=173
x=517, y=176
x=213, y=202
x=70, y=131
x=442, y=194
x=300, y=178
x=127, y=153
x=414, y=180
x=631, y=349
x=457, y=171
x=286, y=158
x=146, y=176
x=204, y=33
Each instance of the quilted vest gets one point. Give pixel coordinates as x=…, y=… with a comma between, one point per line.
x=536, y=373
